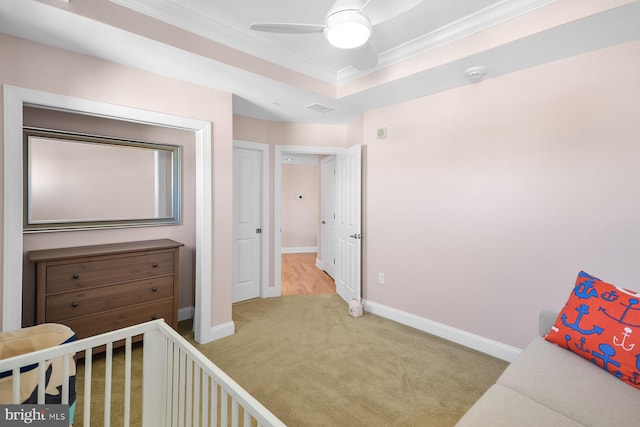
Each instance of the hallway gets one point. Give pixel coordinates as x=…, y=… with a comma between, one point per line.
x=301, y=276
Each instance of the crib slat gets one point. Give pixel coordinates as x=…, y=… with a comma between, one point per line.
x=168, y=381
x=247, y=418
x=214, y=402
x=88, y=357
x=42, y=371
x=224, y=413
x=107, y=384
x=65, y=380
x=189, y=397
x=234, y=412
x=206, y=384
x=127, y=383
x=182, y=388
x=15, y=378
x=195, y=420
x=176, y=382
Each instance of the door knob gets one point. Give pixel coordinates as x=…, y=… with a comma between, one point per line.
x=356, y=236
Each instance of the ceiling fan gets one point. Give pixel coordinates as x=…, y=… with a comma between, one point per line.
x=348, y=25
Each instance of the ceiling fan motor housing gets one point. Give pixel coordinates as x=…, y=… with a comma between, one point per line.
x=342, y=5
x=347, y=29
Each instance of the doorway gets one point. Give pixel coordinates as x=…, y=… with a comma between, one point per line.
x=302, y=229
x=348, y=206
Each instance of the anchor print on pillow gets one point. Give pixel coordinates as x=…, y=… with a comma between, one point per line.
x=601, y=323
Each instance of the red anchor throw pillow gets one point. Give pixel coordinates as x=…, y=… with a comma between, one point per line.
x=601, y=323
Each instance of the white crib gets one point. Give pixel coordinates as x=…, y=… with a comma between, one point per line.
x=180, y=387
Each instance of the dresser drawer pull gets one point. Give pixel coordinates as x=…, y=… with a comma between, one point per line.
x=74, y=304
x=76, y=276
x=154, y=265
x=154, y=317
x=154, y=289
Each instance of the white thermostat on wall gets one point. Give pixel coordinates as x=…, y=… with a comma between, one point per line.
x=381, y=133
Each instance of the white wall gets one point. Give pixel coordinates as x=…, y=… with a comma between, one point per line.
x=485, y=201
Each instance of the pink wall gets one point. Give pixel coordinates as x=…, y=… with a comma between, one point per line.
x=89, y=78
x=485, y=201
x=300, y=217
x=480, y=207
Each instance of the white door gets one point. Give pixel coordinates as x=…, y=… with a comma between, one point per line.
x=328, y=215
x=348, y=224
x=247, y=173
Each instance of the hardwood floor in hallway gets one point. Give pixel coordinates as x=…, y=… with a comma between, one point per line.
x=301, y=276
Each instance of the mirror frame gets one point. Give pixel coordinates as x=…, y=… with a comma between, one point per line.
x=63, y=225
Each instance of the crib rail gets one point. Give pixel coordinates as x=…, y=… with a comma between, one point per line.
x=180, y=387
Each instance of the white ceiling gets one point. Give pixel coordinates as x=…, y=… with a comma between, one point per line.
x=229, y=21
x=83, y=28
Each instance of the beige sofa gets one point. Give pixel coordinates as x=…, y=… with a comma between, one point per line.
x=549, y=386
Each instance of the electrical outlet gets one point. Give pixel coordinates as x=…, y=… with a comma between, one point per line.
x=381, y=278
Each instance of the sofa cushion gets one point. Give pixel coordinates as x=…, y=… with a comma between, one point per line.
x=503, y=407
x=601, y=323
x=571, y=385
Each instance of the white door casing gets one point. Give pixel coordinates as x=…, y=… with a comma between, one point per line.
x=352, y=157
x=348, y=224
x=279, y=153
x=328, y=217
x=250, y=214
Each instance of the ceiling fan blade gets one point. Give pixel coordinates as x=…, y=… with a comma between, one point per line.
x=282, y=28
x=383, y=10
x=364, y=57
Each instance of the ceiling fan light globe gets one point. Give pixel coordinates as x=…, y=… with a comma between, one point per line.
x=348, y=29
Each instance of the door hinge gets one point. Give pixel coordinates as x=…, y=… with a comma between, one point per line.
x=258, y=230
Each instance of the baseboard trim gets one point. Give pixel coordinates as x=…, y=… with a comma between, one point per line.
x=186, y=313
x=299, y=250
x=270, y=292
x=221, y=331
x=467, y=339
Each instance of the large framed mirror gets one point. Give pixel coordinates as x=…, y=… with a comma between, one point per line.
x=78, y=181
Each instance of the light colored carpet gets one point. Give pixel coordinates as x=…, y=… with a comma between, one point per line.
x=312, y=364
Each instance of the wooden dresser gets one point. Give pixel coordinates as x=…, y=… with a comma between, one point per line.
x=96, y=289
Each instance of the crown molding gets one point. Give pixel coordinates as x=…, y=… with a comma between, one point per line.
x=483, y=19
x=182, y=17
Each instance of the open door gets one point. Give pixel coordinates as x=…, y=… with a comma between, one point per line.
x=328, y=216
x=348, y=224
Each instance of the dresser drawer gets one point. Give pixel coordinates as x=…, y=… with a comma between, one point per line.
x=65, y=277
x=111, y=320
x=87, y=301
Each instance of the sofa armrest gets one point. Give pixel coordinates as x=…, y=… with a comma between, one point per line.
x=546, y=320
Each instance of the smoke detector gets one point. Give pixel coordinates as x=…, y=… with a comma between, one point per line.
x=475, y=74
